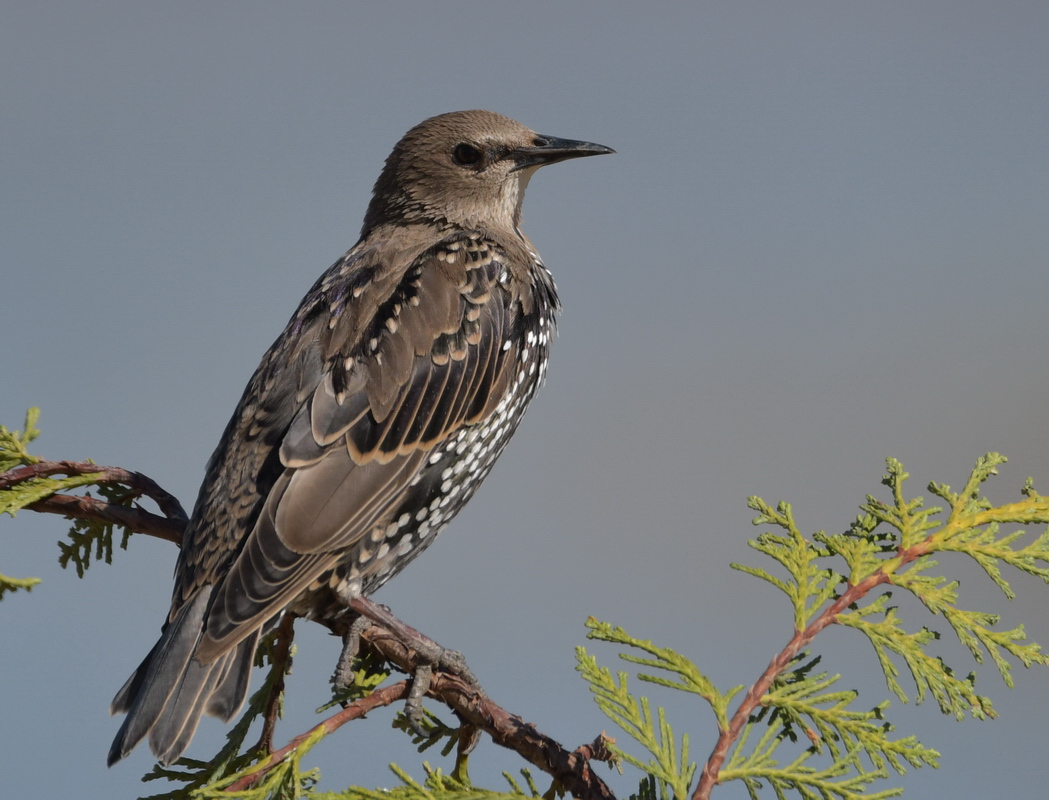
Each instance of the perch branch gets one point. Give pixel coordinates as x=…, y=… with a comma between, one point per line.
x=571, y=769
x=169, y=527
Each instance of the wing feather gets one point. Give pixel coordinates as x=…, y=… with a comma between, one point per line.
x=355, y=443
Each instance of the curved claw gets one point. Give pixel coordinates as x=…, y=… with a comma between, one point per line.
x=351, y=644
x=413, y=706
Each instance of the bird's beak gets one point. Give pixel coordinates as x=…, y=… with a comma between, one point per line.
x=550, y=149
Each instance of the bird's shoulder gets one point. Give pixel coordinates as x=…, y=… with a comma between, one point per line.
x=409, y=326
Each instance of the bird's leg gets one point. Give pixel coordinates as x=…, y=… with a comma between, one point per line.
x=351, y=643
x=429, y=654
x=413, y=706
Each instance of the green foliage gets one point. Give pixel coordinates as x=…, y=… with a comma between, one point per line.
x=14, y=453
x=809, y=586
x=13, y=444
x=756, y=765
x=436, y=732
x=14, y=584
x=794, y=731
x=845, y=749
x=88, y=539
x=669, y=765
x=437, y=786
x=369, y=673
x=93, y=538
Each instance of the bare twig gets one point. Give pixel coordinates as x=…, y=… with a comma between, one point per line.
x=135, y=519
x=358, y=708
x=281, y=654
x=598, y=749
x=169, y=527
x=138, y=483
x=572, y=770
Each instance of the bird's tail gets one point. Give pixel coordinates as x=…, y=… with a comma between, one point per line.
x=166, y=696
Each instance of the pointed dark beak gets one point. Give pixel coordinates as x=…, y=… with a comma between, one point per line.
x=549, y=150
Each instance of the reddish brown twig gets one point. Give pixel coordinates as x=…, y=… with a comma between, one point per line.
x=378, y=699
x=801, y=639
x=571, y=769
x=169, y=527
x=135, y=519
x=281, y=655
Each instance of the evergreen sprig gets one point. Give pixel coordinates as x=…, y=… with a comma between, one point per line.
x=14, y=452
x=14, y=444
x=437, y=786
x=8, y=584
x=757, y=765
x=830, y=579
x=809, y=587
x=889, y=545
x=797, y=696
x=92, y=538
x=669, y=765
x=88, y=539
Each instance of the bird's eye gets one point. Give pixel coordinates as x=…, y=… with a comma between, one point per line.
x=466, y=155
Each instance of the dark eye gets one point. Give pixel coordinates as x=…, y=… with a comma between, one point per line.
x=466, y=155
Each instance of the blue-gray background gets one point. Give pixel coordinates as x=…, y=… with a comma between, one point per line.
x=823, y=242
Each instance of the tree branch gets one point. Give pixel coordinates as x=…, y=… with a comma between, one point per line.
x=801, y=639
x=135, y=519
x=281, y=655
x=377, y=699
x=169, y=527
x=571, y=769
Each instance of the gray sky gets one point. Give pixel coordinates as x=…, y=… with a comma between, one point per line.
x=823, y=242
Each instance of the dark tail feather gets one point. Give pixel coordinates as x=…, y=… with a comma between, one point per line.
x=229, y=695
x=167, y=694
x=173, y=731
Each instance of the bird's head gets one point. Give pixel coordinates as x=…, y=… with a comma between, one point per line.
x=465, y=168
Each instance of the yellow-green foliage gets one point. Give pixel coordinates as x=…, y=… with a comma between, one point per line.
x=799, y=735
x=841, y=579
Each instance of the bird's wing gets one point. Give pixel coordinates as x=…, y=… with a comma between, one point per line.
x=404, y=369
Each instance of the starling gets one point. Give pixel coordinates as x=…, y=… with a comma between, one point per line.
x=370, y=422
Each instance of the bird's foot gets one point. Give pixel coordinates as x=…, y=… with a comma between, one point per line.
x=428, y=656
x=351, y=645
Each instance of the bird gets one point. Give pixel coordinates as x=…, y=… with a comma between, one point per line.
x=370, y=421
